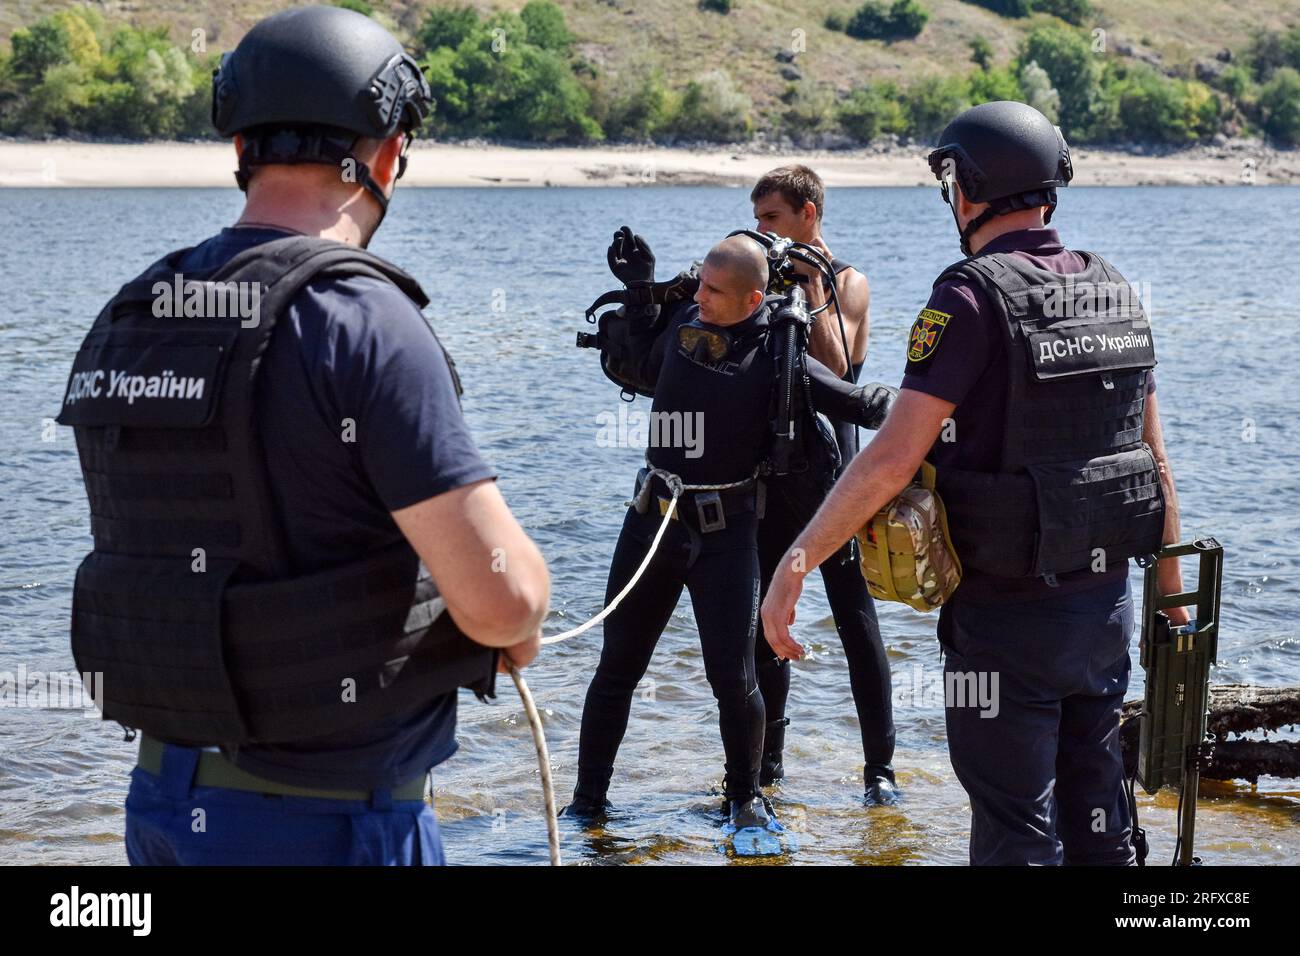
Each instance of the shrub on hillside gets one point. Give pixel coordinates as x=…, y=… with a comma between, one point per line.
x=901, y=20
x=871, y=111
x=1076, y=12
x=1007, y=8
x=713, y=109
x=1279, y=105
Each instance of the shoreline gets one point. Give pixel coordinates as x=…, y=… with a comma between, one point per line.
x=65, y=163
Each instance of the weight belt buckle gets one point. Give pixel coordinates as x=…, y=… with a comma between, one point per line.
x=708, y=506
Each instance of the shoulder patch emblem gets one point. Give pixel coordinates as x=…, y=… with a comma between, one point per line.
x=926, y=330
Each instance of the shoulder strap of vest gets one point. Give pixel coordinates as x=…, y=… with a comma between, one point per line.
x=1019, y=284
x=954, y=270
x=284, y=266
x=142, y=287
x=1096, y=261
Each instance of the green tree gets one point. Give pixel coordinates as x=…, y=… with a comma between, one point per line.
x=1235, y=81
x=43, y=45
x=987, y=86
x=871, y=111
x=1008, y=8
x=869, y=22
x=499, y=81
x=713, y=109
x=907, y=19
x=1271, y=50
x=1071, y=11
x=808, y=110
x=1153, y=107
x=546, y=26
x=1038, y=91
x=933, y=102
x=874, y=21
x=636, y=104
x=447, y=27
x=981, y=53
x=451, y=95
x=83, y=45
x=1073, y=70
x=1279, y=105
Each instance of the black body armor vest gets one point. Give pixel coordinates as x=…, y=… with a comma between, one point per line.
x=187, y=604
x=1074, y=474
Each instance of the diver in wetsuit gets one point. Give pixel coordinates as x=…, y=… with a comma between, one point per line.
x=790, y=201
x=712, y=364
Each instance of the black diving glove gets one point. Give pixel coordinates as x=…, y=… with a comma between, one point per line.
x=633, y=264
x=630, y=259
x=874, y=401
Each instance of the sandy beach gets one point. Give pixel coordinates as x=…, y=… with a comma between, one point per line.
x=65, y=163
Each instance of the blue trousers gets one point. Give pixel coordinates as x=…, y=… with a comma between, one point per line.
x=169, y=822
x=1033, y=697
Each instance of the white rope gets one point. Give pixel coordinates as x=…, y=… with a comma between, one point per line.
x=654, y=546
x=543, y=763
x=675, y=485
x=530, y=708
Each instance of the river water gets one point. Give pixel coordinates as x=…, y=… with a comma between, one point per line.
x=510, y=272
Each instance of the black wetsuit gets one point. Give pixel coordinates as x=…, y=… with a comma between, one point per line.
x=792, y=501
x=720, y=568
x=846, y=433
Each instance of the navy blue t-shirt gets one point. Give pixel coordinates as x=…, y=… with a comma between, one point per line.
x=358, y=417
x=967, y=365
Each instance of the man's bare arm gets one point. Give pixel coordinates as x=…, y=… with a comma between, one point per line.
x=1169, y=575
x=489, y=572
x=881, y=471
x=856, y=300
x=876, y=475
x=825, y=342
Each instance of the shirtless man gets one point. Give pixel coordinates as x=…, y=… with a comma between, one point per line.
x=790, y=201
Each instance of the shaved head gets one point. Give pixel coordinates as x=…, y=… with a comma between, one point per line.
x=733, y=281
x=741, y=264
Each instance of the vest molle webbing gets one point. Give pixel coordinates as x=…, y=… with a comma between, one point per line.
x=1075, y=482
x=188, y=604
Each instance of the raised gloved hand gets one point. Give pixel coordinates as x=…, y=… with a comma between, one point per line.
x=874, y=401
x=630, y=258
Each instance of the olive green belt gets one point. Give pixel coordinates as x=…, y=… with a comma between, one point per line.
x=216, y=770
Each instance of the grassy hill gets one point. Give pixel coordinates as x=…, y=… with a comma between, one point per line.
x=684, y=41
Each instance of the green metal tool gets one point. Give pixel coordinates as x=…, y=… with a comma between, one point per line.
x=1172, y=744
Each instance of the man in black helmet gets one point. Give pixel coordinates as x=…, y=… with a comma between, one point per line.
x=272, y=444
x=1029, y=387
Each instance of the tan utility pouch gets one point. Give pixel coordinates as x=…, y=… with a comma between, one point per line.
x=907, y=555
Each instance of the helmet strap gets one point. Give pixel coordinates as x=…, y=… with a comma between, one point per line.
x=297, y=147
x=974, y=226
x=1001, y=207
